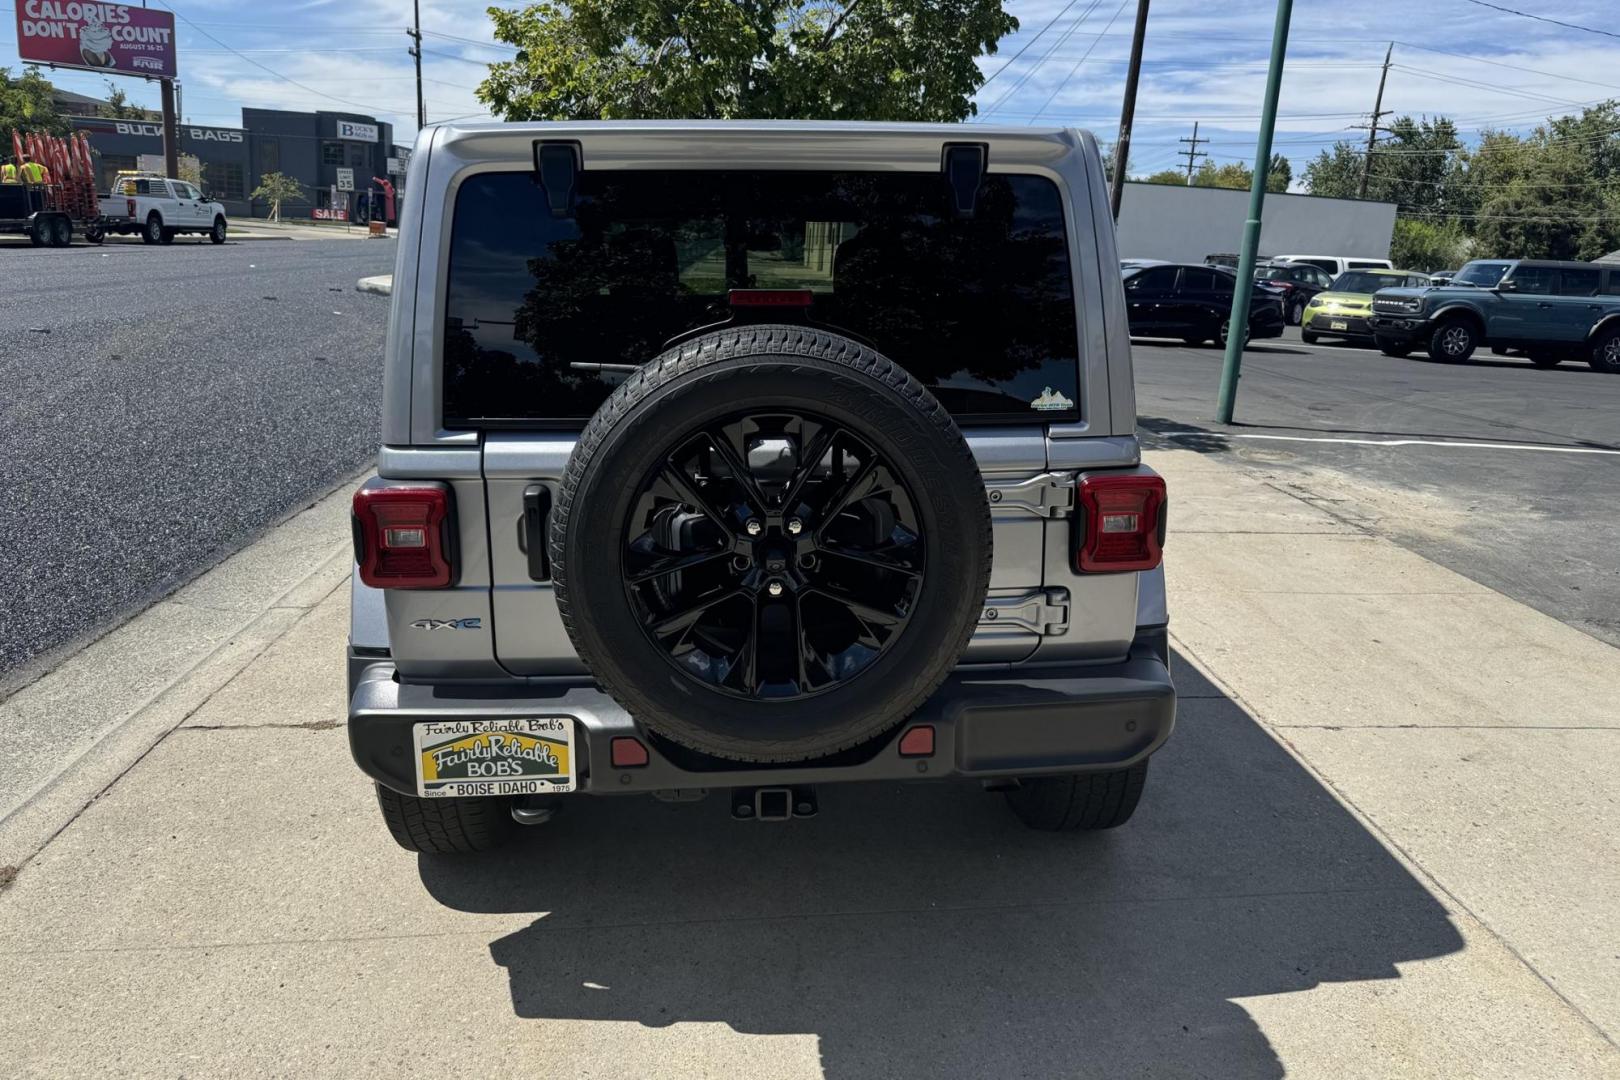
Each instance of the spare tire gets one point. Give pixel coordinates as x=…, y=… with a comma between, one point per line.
x=771, y=544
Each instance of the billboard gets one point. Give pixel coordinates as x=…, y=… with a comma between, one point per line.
x=112, y=38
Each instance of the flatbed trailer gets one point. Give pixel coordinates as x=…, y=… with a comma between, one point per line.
x=48, y=212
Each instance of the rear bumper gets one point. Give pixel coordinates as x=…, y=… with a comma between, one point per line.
x=1060, y=720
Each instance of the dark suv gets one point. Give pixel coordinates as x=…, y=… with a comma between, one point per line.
x=1552, y=311
x=1297, y=282
x=755, y=457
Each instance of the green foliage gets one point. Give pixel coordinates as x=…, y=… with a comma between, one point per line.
x=735, y=59
x=25, y=104
x=1167, y=176
x=1421, y=244
x=276, y=188
x=1237, y=175
x=118, y=106
x=1554, y=193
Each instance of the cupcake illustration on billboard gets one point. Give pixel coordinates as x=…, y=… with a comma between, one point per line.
x=95, y=40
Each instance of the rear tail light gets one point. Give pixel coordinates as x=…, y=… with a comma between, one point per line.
x=1121, y=524
x=403, y=537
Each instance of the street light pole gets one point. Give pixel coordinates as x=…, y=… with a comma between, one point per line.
x=1237, y=324
x=1127, y=112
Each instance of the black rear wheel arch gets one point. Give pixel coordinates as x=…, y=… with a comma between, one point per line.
x=667, y=593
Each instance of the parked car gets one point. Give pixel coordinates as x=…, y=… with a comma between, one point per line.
x=159, y=209
x=1295, y=283
x=1551, y=311
x=1194, y=303
x=1230, y=259
x=752, y=553
x=1338, y=264
x=1343, y=310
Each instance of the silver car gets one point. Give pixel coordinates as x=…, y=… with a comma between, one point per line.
x=751, y=458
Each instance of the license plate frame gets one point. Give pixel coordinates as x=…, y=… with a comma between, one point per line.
x=531, y=755
x=1338, y=324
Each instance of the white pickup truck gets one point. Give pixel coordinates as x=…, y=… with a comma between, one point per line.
x=159, y=209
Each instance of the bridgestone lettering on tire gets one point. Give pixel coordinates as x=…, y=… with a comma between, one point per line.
x=778, y=466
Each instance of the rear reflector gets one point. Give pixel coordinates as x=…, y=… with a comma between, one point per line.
x=753, y=298
x=1121, y=518
x=402, y=537
x=918, y=742
x=627, y=753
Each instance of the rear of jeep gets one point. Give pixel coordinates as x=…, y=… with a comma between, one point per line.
x=752, y=458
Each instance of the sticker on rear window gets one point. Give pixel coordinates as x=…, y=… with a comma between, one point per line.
x=1051, y=401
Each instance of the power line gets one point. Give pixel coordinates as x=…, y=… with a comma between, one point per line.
x=1015, y=56
x=1543, y=18
x=1059, y=87
x=1023, y=80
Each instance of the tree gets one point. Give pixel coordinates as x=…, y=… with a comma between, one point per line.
x=1235, y=174
x=1419, y=244
x=26, y=104
x=608, y=59
x=276, y=189
x=1166, y=176
x=1418, y=166
x=118, y=107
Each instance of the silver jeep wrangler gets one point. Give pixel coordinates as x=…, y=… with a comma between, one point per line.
x=755, y=457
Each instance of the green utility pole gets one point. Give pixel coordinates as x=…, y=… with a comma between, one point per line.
x=1238, y=323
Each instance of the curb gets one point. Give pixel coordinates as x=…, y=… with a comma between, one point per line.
x=122, y=694
x=381, y=284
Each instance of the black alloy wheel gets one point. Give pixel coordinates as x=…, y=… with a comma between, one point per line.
x=773, y=555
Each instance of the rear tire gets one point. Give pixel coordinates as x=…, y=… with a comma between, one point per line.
x=1296, y=313
x=445, y=826
x=62, y=232
x=1220, y=335
x=39, y=232
x=1605, y=355
x=153, y=232
x=1079, y=802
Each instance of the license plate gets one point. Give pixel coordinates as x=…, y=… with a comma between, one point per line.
x=1338, y=324
x=463, y=758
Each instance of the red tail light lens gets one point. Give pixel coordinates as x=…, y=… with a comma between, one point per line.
x=403, y=537
x=1121, y=523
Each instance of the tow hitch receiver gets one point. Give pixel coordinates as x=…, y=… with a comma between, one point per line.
x=773, y=803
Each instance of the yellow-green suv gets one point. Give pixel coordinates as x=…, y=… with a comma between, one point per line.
x=1344, y=309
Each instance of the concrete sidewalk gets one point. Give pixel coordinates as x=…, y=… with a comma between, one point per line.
x=1382, y=842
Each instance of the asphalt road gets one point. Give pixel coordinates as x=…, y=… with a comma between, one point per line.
x=162, y=407
x=1531, y=514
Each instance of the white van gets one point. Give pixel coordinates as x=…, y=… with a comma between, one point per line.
x=1338, y=264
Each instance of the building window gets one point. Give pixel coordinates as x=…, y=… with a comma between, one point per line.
x=360, y=155
x=331, y=153
x=269, y=155
x=223, y=180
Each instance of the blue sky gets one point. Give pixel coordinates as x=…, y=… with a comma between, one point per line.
x=1204, y=61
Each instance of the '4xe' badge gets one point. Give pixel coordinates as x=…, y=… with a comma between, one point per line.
x=447, y=624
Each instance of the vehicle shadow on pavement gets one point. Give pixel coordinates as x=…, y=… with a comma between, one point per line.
x=920, y=930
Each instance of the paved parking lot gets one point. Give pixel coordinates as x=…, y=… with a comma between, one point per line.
x=1502, y=472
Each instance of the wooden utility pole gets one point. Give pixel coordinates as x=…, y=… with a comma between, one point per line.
x=1192, y=153
x=416, y=51
x=171, y=129
x=1372, y=128
x=1127, y=112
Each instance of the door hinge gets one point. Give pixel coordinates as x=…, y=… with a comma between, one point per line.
x=1044, y=611
x=1047, y=495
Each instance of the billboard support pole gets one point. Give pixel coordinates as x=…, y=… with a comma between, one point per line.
x=1237, y=324
x=171, y=130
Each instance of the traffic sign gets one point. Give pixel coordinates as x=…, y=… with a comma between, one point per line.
x=345, y=179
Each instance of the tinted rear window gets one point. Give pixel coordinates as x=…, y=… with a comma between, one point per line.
x=540, y=309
